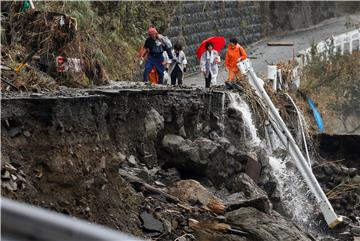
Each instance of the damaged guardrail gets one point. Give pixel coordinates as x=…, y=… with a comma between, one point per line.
x=288, y=141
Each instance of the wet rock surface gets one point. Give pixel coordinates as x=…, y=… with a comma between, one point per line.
x=247, y=194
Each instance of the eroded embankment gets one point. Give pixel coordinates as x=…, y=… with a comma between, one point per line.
x=124, y=158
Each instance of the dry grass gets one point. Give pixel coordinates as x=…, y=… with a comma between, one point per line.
x=333, y=80
x=341, y=189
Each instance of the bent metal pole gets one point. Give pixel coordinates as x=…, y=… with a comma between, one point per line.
x=287, y=139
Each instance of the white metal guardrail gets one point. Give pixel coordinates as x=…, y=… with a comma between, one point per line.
x=342, y=43
x=25, y=222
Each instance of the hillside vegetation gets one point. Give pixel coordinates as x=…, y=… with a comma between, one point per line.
x=110, y=32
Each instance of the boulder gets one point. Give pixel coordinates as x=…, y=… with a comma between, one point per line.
x=183, y=154
x=236, y=162
x=192, y=192
x=172, y=142
x=253, y=168
x=247, y=194
x=240, y=156
x=265, y=227
x=206, y=147
x=150, y=223
x=154, y=122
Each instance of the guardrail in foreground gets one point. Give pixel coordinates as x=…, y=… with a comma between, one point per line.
x=21, y=221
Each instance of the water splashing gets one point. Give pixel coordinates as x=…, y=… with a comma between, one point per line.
x=239, y=104
x=297, y=201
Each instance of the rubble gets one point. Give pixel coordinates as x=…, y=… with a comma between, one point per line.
x=37, y=41
x=103, y=174
x=341, y=185
x=32, y=28
x=12, y=179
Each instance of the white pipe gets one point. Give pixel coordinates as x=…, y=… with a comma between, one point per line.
x=302, y=128
x=286, y=138
x=32, y=4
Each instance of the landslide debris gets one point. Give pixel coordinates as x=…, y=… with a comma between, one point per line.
x=99, y=40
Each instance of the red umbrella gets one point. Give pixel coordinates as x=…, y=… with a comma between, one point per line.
x=218, y=42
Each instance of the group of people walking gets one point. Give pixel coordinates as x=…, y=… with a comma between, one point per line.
x=165, y=59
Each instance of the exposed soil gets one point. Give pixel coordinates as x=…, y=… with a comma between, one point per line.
x=116, y=157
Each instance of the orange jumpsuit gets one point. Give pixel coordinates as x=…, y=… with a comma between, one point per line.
x=234, y=53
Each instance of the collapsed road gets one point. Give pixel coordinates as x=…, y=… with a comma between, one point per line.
x=172, y=163
x=94, y=154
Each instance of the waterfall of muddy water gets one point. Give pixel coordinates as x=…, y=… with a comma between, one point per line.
x=239, y=104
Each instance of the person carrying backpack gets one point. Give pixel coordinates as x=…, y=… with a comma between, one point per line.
x=155, y=46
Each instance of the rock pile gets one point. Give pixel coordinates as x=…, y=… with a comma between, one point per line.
x=342, y=187
x=12, y=179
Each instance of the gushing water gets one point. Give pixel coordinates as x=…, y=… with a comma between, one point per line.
x=296, y=199
x=239, y=104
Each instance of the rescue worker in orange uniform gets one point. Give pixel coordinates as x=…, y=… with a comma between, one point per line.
x=234, y=54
